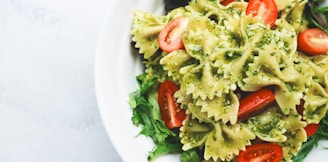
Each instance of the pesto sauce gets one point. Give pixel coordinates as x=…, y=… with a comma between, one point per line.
x=232, y=55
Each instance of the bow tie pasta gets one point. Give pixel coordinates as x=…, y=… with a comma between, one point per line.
x=225, y=52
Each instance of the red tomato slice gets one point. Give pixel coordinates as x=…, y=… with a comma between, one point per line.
x=255, y=103
x=310, y=129
x=170, y=110
x=265, y=10
x=313, y=41
x=268, y=152
x=225, y=2
x=170, y=38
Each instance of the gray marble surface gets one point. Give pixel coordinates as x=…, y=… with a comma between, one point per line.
x=48, y=108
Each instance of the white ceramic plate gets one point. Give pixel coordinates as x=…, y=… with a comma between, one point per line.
x=115, y=71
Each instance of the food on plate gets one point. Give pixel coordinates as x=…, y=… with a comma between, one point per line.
x=313, y=41
x=231, y=80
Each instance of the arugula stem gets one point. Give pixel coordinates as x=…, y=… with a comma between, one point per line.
x=317, y=15
x=320, y=10
x=315, y=23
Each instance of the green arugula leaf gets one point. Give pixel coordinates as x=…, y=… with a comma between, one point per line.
x=306, y=148
x=323, y=129
x=171, y=145
x=316, y=15
x=146, y=114
x=190, y=156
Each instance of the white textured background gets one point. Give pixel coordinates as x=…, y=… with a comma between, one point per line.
x=48, y=108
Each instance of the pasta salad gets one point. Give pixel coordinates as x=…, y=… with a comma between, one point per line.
x=230, y=80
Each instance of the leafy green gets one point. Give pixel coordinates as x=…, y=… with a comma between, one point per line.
x=146, y=114
x=190, y=156
x=306, y=148
x=322, y=134
x=316, y=15
x=171, y=145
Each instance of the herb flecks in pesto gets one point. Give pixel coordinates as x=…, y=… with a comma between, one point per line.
x=232, y=55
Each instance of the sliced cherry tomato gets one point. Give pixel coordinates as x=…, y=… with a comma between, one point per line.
x=255, y=103
x=268, y=152
x=313, y=41
x=225, y=2
x=170, y=38
x=170, y=110
x=265, y=10
x=310, y=129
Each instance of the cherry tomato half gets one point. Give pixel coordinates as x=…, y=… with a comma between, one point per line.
x=254, y=103
x=268, y=152
x=311, y=129
x=170, y=110
x=313, y=41
x=170, y=38
x=265, y=10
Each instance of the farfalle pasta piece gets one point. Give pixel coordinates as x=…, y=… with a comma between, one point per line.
x=214, y=10
x=293, y=13
x=295, y=134
x=320, y=66
x=316, y=103
x=291, y=146
x=293, y=122
x=203, y=80
x=203, y=6
x=225, y=142
x=316, y=93
x=194, y=111
x=194, y=133
x=221, y=142
x=202, y=40
x=145, y=30
x=286, y=130
x=175, y=61
x=285, y=5
x=224, y=108
x=269, y=126
x=273, y=63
